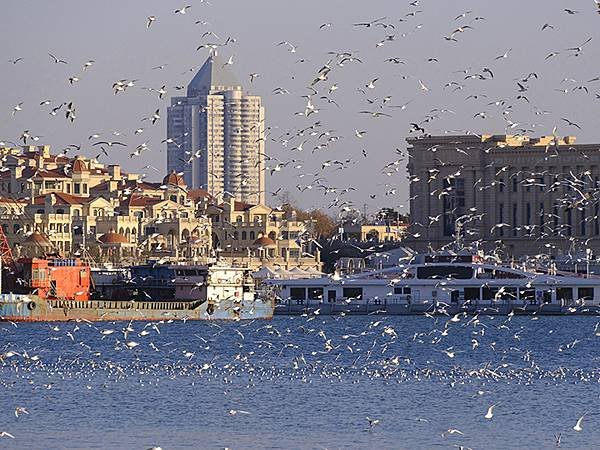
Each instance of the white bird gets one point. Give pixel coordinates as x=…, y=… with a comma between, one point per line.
x=183, y=10
x=578, y=426
x=6, y=434
x=17, y=108
x=150, y=21
x=20, y=410
x=490, y=412
x=372, y=422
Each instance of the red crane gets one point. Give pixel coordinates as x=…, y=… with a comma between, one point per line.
x=5, y=251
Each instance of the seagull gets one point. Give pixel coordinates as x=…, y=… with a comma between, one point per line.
x=17, y=108
x=233, y=412
x=229, y=62
x=372, y=422
x=6, y=434
x=15, y=61
x=20, y=410
x=88, y=63
x=578, y=426
x=183, y=10
x=57, y=60
x=573, y=124
x=505, y=55
x=490, y=412
x=452, y=431
x=253, y=76
x=150, y=21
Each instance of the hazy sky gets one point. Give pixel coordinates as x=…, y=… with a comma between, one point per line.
x=114, y=34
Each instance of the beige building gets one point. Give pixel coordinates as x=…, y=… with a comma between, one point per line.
x=519, y=194
x=256, y=235
x=375, y=232
x=68, y=205
x=216, y=135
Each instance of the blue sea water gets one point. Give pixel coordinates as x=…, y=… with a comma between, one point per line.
x=303, y=383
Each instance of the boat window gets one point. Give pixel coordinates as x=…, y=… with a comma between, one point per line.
x=315, y=293
x=352, y=292
x=471, y=293
x=489, y=293
x=179, y=272
x=506, y=274
x=547, y=296
x=527, y=294
x=407, y=291
x=398, y=291
x=564, y=293
x=441, y=272
x=585, y=293
x=297, y=293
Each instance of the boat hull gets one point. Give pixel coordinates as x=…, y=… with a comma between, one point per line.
x=395, y=309
x=21, y=308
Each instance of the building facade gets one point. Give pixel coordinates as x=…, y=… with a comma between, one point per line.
x=215, y=135
x=518, y=195
x=76, y=206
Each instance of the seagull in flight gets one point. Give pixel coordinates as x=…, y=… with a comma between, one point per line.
x=57, y=60
x=183, y=10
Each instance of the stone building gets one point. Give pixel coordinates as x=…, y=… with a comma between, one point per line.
x=519, y=194
x=257, y=235
x=72, y=205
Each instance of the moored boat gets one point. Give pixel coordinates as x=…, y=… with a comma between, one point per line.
x=446, y=283
x=58, y=289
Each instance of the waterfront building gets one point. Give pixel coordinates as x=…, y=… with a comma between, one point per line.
x=215, y=135
x=120, y=218
x=257, y=235
x=518, y=194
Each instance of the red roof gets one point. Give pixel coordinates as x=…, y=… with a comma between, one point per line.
x=197, y=194
x=174, y=179
x=34, y=172
x=113, y=238
x=79, y=166
x=13, y=200
x=140, y=200
x=264, y=241
x=62, y=199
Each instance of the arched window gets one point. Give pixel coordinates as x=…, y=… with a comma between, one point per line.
x=16, y=228
x=252, y=235
x=60, y=211
x=235, y=235
x=244, y=236
x=238, y=219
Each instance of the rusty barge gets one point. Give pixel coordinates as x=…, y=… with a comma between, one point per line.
x=58, y=289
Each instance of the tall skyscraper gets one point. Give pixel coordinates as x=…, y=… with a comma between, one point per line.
x=216, y=135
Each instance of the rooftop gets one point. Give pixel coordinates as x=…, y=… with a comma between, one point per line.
x=214, y=72
x=500, y=140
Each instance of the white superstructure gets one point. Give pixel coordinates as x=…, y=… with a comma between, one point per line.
x=440, y=283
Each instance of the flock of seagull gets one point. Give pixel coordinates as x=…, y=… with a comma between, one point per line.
x=325, y=91
x=479, y=354
x=372, y=351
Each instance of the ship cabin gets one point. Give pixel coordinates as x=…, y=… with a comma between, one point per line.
x=55, y=278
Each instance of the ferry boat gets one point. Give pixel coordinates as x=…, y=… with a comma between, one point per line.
x=447, y=283
x=59, y=289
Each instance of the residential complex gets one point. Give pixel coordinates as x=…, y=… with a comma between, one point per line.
x=77, y=205
x=519, y=194
x=215, y=135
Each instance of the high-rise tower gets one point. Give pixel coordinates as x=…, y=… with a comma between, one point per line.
x=216, y=135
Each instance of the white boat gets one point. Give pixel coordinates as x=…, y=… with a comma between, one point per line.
x=446, y=283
